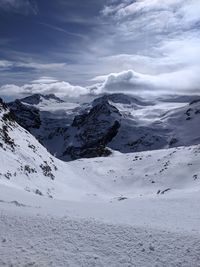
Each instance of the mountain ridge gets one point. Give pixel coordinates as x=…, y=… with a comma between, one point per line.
x=68, y=130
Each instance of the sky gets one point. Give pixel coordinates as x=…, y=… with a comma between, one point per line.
x=70, y=47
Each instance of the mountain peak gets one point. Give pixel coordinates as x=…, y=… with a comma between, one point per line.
x=121, y=98
x=36, y=99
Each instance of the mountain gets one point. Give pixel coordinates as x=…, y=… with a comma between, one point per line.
x=90, y=133
x=71, y=130
x=27, y=116
x=26, y=165
x=142, y=125
x=111, y=115
x=39, y=98
x=123, y=99
x=34, y=115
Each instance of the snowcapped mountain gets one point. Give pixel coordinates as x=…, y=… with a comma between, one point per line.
x=71, y=130
x=28, y=116
x=25, y=164
x=37, y=99
x=43, y=117
x=142, y=125
x=123, y=99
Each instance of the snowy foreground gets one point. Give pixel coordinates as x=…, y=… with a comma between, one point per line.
x=147, y=231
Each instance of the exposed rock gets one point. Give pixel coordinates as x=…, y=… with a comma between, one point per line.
x=27, y=116
x=91, y=132
x=91, y=152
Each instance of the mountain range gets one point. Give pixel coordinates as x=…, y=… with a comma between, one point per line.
x=72, y=130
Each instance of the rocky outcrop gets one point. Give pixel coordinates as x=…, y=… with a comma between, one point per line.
x=27, y=116
x=90, y=133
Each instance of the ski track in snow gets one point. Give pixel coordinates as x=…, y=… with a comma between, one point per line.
x=49, y=241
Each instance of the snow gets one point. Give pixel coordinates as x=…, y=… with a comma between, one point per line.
x=144, y=173
x=136, y=209
x=46, y=241
x=37, y=231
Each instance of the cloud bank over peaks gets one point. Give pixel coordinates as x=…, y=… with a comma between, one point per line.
x=129, y=81
x=144, y=84
x=44, y=85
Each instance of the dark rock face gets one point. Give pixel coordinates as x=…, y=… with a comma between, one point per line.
x=3, y=105
x=101, y=124
x=195, y=101
x=91, y=152
x=91, y=132
x=7, y=121
x=27, y=116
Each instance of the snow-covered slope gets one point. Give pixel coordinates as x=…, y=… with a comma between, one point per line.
x=183, y=124
x=45, y=118
x=144, y=173
x=27, y=165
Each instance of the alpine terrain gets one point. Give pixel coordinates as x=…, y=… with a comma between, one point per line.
x=114, y=181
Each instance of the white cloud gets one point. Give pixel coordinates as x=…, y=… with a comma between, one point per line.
x=161, y=40
x=40, y=66
x=44, y=80
x=44, y=85
x=137, y=83
x=179, y=12
x=5, y=64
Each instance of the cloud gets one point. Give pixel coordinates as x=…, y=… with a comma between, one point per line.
x=137, y=83
x=44, y=85
x=23, y=7
x=5, y=64
x=145, y=43
x=158, y=40
x=44, y=80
